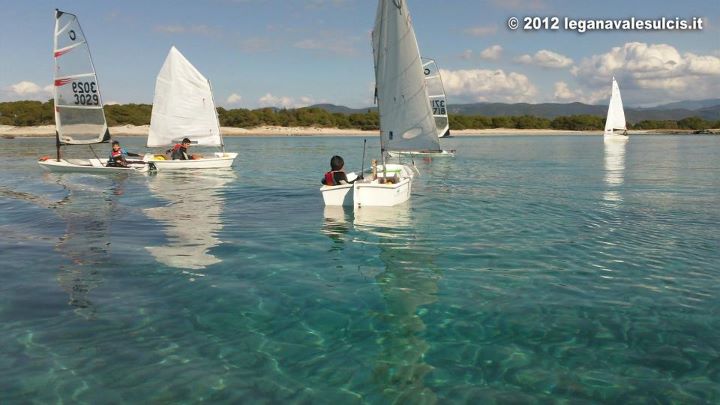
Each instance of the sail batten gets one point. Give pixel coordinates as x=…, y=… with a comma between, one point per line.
x=79, y=115
x=406, y=119
x=183, y=105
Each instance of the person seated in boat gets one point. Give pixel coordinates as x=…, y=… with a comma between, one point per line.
x=337, y=176
x=118, y=155
x=180, y=150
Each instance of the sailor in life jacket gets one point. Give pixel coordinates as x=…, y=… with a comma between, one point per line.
x=118, y=154
x=336, y=176
x=180, y=150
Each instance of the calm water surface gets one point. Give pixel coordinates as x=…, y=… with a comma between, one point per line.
x=525, y=270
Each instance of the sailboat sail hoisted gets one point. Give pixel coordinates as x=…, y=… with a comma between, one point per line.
x=79, y=116
x=436, y=95
x=616, y=115
x=406, y=118
x=183, y=105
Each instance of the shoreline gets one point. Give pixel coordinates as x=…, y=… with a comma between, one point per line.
x=44, y=131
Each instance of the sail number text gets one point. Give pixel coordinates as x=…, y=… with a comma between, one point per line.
x=85, y=93
x=438, y=107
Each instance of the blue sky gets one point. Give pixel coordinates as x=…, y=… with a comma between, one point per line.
x=298, y=52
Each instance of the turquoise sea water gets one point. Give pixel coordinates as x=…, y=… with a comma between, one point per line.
x=525, y=270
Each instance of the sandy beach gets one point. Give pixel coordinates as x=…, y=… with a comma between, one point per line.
x=7, y=131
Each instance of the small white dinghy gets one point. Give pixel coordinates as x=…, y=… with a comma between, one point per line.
x=340, y=195
x=183, y=107
x=79, y=115
x=615, y=120
x=389, y=187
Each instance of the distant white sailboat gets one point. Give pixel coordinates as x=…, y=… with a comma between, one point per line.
x=79, y=114
x=616, y=116
x=183, y=107
x=437, y=97
x=438, y=105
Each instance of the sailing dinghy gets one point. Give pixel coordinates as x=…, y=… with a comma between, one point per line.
x=79, y=115
x=183, y=107
x=406, y=120
x=615, y=117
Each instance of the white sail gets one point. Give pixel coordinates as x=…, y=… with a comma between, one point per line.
x=616, y=115
x=406, y=119
x=79, y=116
x=183, y=106
x=436, y=95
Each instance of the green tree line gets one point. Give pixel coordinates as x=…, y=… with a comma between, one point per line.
x=27, y=113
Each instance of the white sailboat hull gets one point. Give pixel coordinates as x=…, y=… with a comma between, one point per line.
x=219, y=160
x=89, y=166
x=374, y=194
x=615, y=138
x=338, y=195
x=442, y=153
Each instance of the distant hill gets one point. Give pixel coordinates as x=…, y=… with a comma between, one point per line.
x=689, y=105
x=332, y=108
x=706, y=110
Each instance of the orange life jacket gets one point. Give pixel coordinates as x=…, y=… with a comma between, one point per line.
x=330, y=178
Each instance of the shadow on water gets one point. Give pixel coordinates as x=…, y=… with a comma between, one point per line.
x=88, y=211
x=191, y=216
x=408, y=283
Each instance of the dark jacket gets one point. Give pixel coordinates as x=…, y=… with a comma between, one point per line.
x=336, y=178
x=179, y=152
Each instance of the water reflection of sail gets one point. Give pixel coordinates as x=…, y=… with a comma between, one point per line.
x=192, y=216
x=336, y=225
x=614, y=169
x=408, y=283
x=88, y=211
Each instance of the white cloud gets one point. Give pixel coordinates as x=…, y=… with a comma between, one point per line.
x=481, y=31
x=563, y=92
x=654, y=73
x=268, y=100
x=475, y=85
x=234, y=99
x=492, y=53
x=467, y=54
x=111, y=102
x=546, y=59
x=25, y=88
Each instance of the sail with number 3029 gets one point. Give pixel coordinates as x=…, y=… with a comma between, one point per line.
x=79, y=115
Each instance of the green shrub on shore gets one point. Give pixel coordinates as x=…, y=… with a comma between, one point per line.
x=31, y=113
